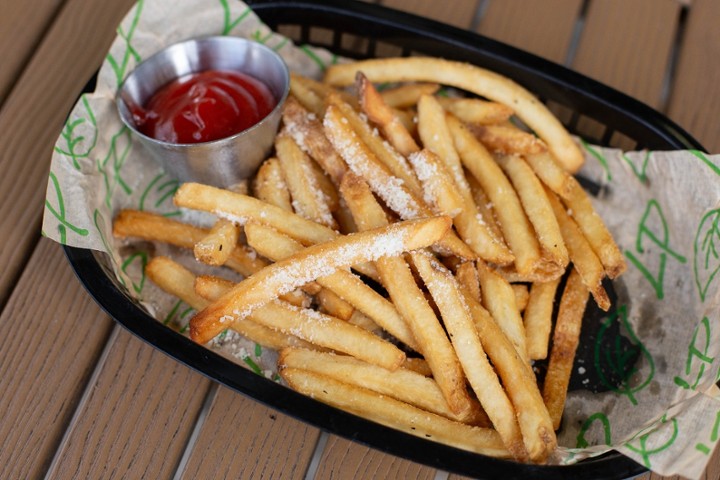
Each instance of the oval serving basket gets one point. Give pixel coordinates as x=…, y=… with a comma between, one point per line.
x=360, y=30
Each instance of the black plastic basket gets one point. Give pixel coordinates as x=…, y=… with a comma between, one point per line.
x=353, y=29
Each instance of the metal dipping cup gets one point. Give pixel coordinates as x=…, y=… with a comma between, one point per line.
x=222, y=162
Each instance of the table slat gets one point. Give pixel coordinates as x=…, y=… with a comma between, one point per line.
x=627, y=45
x=278, y=446
x=695, y=95
x=32, y=116
x=53, y=334
x=543, y=28
x=345, y=459
x=136, y=416
x=22, y=25
x=459, y=14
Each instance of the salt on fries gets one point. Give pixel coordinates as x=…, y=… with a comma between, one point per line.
x=465, y=224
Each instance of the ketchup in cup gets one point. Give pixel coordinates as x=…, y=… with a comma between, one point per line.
x=205, y=106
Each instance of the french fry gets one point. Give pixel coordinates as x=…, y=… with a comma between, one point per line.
x=499, y=299
x=519, y=382
x=517, y=230
x=314, y=262
x=475, y=80
x=307, y=131
x=395, y=414
x=594, y=230
x=308, y=199
x=343, y=283
x=536, y=206
x=373, y=105
x=474, y=110
x=408, y=94
x=538, y=318
x=581, y=254
x=401, y=384
x=398, y=280
x=522, y=295
x=438, y=185
x=508, y=139
x=464, y=337
x=218, y=244
x=436, y=137
x=176, y=280
x=484, y=206
x=417, y=365
x=565, y=341
x=551, y=173
x=396, y=195
x=269, y=185
x=467, y=276
x=306, y=96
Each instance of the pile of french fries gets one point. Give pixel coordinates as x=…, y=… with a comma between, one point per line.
x=402, y=251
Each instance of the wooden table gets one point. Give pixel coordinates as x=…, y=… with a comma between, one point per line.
x=82, y=398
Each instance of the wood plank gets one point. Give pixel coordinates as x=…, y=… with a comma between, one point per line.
x=33, y=114
x=543, y=28
x=53, y=334
x=695, y=94
x=459, y=14
x=136, y=416
x=273, y=445
x=627, y=45
x=22, y=25
x=345, y=459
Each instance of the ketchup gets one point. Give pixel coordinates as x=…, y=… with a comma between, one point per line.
x=204, y=106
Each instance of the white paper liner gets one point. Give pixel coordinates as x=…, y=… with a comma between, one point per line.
x=662, y=207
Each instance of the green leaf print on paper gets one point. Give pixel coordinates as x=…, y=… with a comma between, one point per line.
x=110, y=167
x=307, y=50
x=141, y=257
x=621, y=359
x=639, y=173
x=701, y=447
x=80, y=135
x=120, y=66
x=697, y=353
x=161, y=190
x=707, y=252
x=706, y=161
x=588, y=423
x=228, y=22
x=642, y=447
x=599, y=157
x=654, y=228
x=59, y=213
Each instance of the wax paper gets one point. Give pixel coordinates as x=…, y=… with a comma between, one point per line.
x=660, y=344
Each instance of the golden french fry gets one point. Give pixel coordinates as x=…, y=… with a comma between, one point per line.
x=408, y=94
x=517, y=230
x=343, y=283
x=314, y=262
x=467, y=276
x=464, y=337
x=581, y=254
x=536, y=206
x=436, y=137
x=306, y=96
x=484, y=206
x=551, y=173
x=438, y=185
x=269, y=185
x=474, y=110
x=398, y=280
x=154, y=227
x=538, y=318
x=308, y=199
x=499, y=299
x=307, y=131
x=394, y=413
x=519, y=382
x=219, y=243
x=508, y=139
x=373, y=105
x=418, y=365
x=475, y=80
x=565, y=341
x=594, y=230
x=401, y=384
x=522, y=295
x=324, y=90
